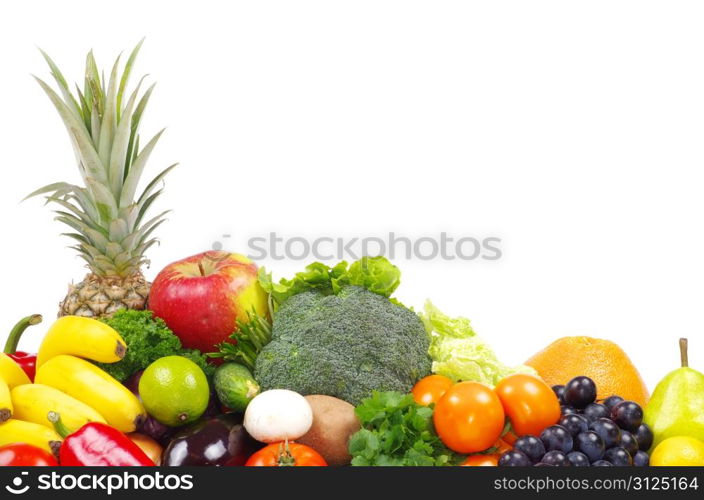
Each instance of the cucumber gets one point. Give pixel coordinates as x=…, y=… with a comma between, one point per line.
x=235, y=386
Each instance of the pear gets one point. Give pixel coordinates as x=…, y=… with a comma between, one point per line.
x=676, y=407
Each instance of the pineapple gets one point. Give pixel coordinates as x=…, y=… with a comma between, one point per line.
x=107, y=219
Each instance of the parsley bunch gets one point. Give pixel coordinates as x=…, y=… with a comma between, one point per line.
x=148, y=339
x=397, y=431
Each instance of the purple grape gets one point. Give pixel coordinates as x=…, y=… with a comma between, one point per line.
x=556, y=457
x=574, y=423
x=580, y=391
x=629, y=442
x=557, y=437
x=607, y=430
x=578, y=459
x=568, y=410
x=590, y=444
x=612, y=401
x=618, y=456
x=645, y=437
x=531, y=446
x=514, y=458
x=641, y=459
x=543, y=464
x=602, y=463
x=627, y=415
x=594, y=411
x=559, y=391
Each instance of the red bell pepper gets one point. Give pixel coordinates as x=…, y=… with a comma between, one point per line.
x=25, y=455
x=97, y=444
x=26, y=361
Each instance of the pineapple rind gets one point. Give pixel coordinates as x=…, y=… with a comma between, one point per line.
x=99, y=297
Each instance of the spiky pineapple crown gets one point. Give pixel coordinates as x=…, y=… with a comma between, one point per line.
x=107, y=218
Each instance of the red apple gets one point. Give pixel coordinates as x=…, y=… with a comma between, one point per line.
x=201, y=297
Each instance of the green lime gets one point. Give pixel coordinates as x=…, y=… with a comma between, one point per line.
x=235, y=386
x=174, y=390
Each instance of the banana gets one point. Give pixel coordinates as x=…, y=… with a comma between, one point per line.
x=18, y=431
x=82, y=337
x=11, y=372
x=89, y=384
x=6, y=407
x=33, y=402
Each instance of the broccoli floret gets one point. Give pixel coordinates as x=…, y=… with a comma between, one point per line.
x=344, y=345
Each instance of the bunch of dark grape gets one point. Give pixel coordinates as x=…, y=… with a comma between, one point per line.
x=589, y=433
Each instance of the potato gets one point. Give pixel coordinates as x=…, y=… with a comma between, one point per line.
x=334, y=422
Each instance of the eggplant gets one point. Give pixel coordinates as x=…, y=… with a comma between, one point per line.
x=155, y=429
x=149, y=426
x=159, y=432
x=213, y=409
x=219, y=441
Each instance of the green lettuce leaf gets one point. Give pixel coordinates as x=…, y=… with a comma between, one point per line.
x=376, y=274
x=459, y=353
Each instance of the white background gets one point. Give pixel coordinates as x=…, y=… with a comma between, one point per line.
x=573, y=130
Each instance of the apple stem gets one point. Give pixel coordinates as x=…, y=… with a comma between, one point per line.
x=200, y=268
x=683, y=353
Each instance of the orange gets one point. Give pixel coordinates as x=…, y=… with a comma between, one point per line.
x=601, y=360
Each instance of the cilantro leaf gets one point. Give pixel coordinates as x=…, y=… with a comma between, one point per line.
x=397, y=431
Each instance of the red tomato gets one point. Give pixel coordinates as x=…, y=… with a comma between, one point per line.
x=469, y=418
x=286, y=454
x=25, y=455
x=430, y=389
x=530, y=403
x=491, y=460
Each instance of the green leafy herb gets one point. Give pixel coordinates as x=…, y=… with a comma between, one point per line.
x=397, y=431
x=148, y=339
x=249, y=339
x=376, y=274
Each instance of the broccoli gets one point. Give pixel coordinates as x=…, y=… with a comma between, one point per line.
x=343, y=345
x=148, y=339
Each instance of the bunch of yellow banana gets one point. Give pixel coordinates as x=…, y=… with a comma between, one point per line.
x=89, y=384
x=11, y=375
x=33, y=402
x=66, y=384
x=82, y=337
x=14, y=430
x=19, y=431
